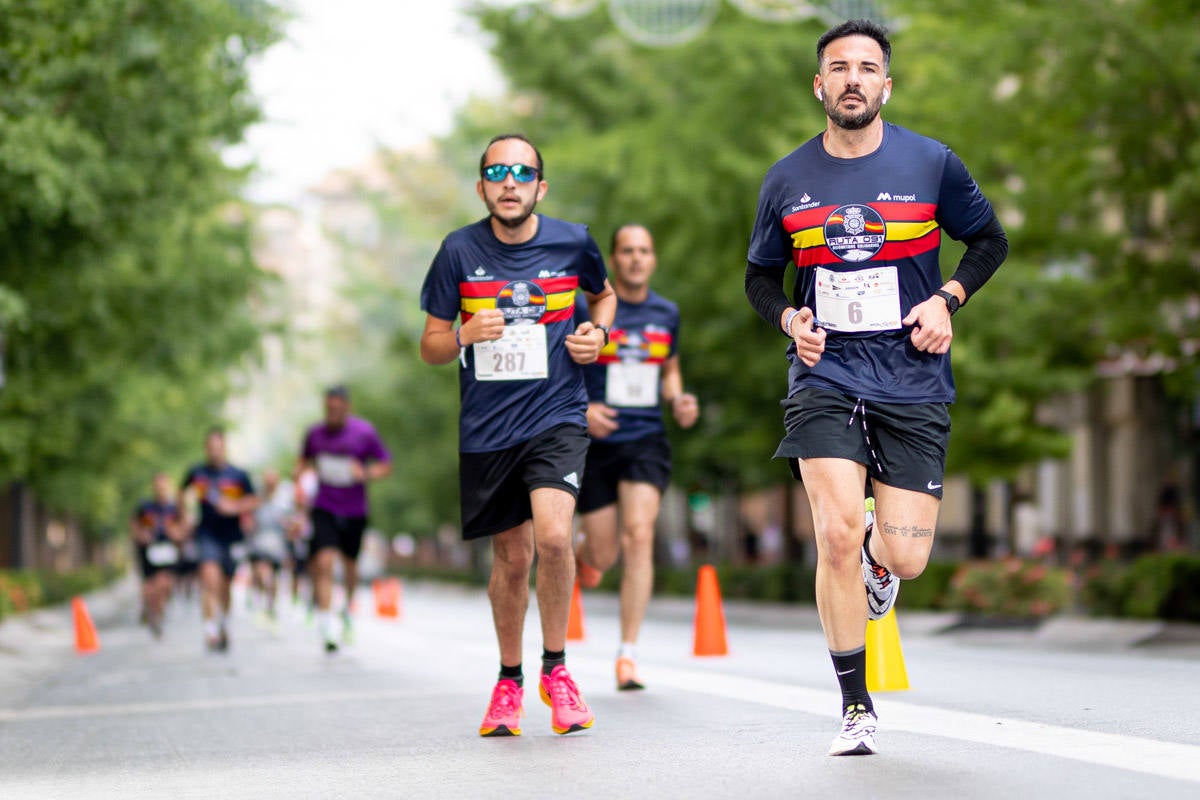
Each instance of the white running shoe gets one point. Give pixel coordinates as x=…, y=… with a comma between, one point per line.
x=882, y=587
x=858, y=733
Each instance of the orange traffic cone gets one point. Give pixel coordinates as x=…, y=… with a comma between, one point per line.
x=710, y=615
x=86, y=640
x=575, y=618
x=387, y=598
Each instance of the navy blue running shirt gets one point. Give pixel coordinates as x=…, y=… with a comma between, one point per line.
x=212, y=484
x=156, y=516
x=862, y=231
x=644, y=335
x=532, y=283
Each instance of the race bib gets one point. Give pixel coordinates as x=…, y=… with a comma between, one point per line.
x=334, y=470
x=859, y=301
x=162, y=554
x=518, y=355
x=632, y=385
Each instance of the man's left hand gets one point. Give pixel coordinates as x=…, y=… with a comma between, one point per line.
x=585, y=343
x=686, y=409
x=932, y=330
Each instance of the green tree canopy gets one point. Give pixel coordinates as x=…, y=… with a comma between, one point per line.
x=120, y=237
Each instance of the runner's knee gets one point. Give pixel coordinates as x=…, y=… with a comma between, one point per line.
x=907, y=566
x=555, y=548
x=637, y=537
x=841, y=546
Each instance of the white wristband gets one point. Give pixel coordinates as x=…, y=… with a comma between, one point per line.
x=787, y=321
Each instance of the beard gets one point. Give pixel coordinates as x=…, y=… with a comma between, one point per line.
x=512, y=222
x=856, y=121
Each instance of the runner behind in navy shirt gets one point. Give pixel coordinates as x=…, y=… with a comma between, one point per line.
x=629, y=458
x=224, y=493
x=157, y=529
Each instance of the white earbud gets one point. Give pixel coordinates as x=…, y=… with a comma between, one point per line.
x=886, y=95
x=821, y=95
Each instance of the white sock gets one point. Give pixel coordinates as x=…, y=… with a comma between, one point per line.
x=211, y=629
x=325, y=624
x=628, y=650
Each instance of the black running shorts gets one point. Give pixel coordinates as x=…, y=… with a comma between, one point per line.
x=901, y=445
x=494, y=486
x=334, y=530
x=644, y=460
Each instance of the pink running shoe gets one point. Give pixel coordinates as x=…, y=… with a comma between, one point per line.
x=503, y=717
x=569, y=713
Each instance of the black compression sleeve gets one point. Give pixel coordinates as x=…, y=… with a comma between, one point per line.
x=764, y=289
x=986, y=251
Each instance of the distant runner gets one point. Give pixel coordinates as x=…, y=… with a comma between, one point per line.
x=629, y=459
x=224, y=494
x=347, y=453
x=157, y=530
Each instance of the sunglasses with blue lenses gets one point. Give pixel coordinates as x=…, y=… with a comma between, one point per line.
x=522, y=173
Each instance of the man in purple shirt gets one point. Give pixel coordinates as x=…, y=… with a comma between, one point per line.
x=346, y=452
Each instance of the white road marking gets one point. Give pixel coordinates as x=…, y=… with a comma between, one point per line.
x=1149, y=756
x=175, y=706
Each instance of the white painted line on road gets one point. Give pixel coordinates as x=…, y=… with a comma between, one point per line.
x=1149, y=756
x=1146, y=756
x=175, y=706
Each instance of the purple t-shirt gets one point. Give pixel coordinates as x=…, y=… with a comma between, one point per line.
x=331, y=452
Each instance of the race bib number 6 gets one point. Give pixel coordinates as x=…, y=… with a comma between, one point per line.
x=518, y=355
x=859, y=301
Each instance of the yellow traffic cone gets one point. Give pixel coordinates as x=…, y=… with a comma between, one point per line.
x=885, y=659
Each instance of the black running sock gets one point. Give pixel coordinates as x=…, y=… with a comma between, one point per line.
x=851, y=669
x=867, y=546
x=551, y=659
x=512, y=674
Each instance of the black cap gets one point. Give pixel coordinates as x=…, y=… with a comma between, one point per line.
x=338, y=390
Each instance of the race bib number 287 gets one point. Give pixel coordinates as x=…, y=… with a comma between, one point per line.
x=518, y=355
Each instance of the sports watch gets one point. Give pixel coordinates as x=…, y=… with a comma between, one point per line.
x=950, y=298
x=605, y=329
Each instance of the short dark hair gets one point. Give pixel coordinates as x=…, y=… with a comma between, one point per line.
x=338, y=390
x=215, y=430
x=519, y=137
x=616, y=234
x=856, y=27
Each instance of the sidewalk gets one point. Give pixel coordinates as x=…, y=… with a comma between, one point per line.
x=33, y=645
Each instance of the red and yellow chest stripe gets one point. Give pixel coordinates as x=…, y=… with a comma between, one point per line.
x=655, y=347
x=911, y=231
x=558, y=301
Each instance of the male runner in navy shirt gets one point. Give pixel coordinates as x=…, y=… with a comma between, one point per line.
x=860, y=210
x=629, y=459
x=512, y=279
x=224, y=493
x=156, y=529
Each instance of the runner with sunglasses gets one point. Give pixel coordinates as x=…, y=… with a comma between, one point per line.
x=629, y=460
x=860, y=210
x=512, y=278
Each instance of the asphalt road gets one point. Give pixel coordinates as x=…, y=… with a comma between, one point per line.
x=1071, y=711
